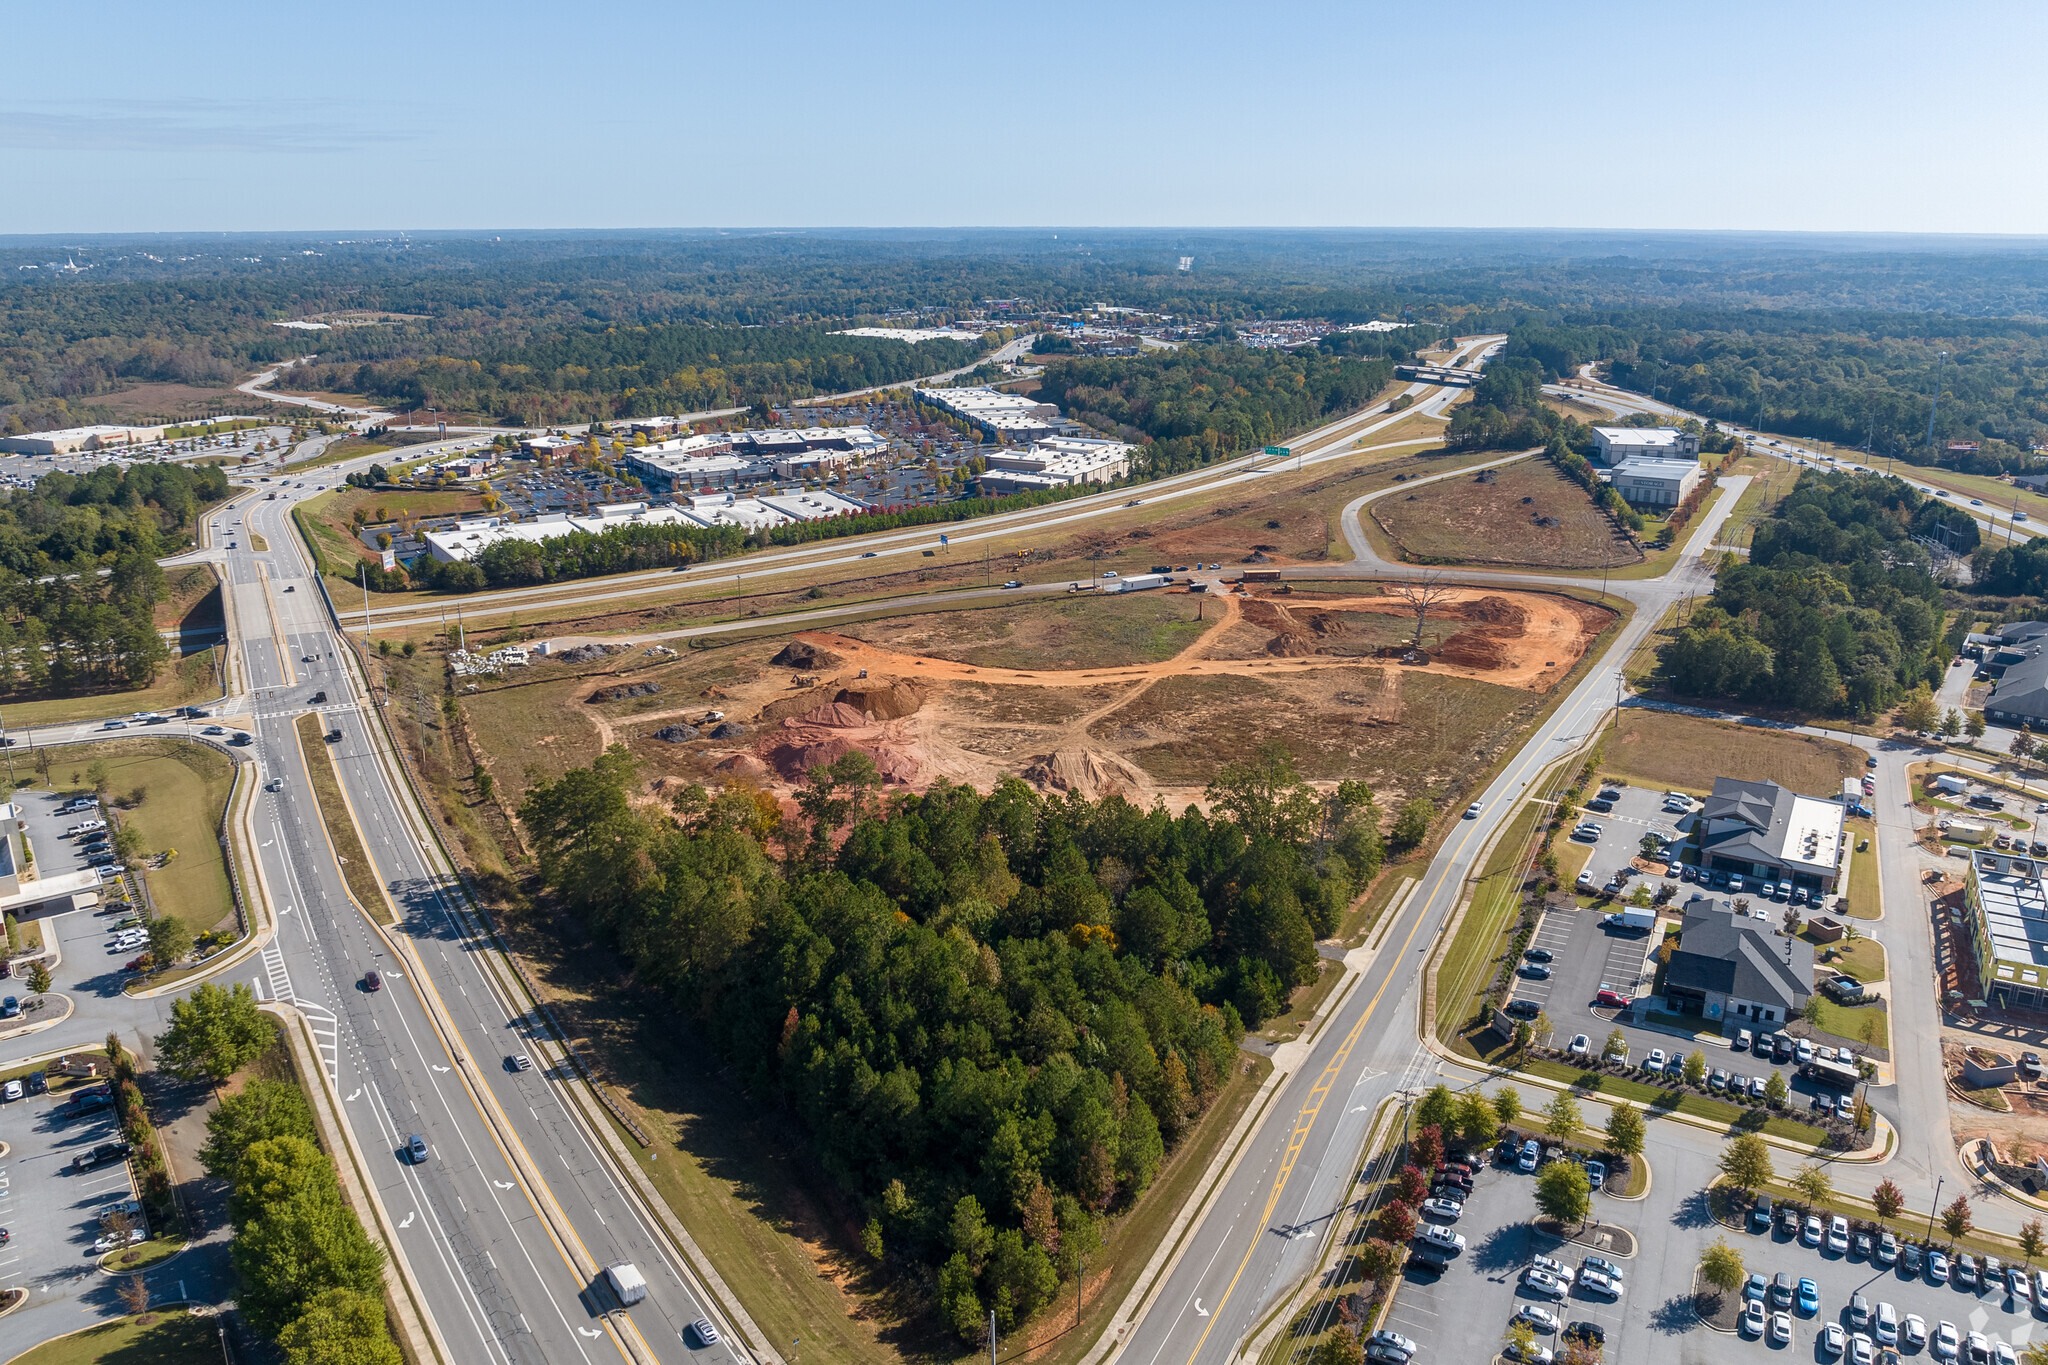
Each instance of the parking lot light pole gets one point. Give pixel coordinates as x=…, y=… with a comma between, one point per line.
x=1931, y=1212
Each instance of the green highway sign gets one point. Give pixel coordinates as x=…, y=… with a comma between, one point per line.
x=1279, y=450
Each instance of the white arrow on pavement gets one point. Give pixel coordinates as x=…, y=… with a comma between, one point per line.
x=586, y=1332
x=408, y=1219
x=503, y=1184
x=1199, y=1309
x=352, y=1098
x=437, y=1068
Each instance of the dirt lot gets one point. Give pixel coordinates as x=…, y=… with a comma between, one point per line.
x=1525, y=513
x=1133, y=697
x=1666, y=751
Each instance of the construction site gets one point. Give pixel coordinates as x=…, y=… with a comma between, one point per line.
x=1139, y=695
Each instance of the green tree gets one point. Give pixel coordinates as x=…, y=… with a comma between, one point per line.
x=1625, y=1129
x=1973, y=725
x=339, y=1327
x=1507, y=1105
x=1339, y=1346
x=1266, y=796
x=1722, y=1266
x=1813, y=1181
x=1565, y=1192
x=1478, y=1125
x=214, y=1032
x=1521, y=1339
x=968, y=1231
x=260, y=1111
x=1411, y=826
x=128, y=845
x=169, y=940
x=1746, y=1161
x=1775, y=1088
x=1695, y=1072
x=294, y=1236
x=958, y=1300
x=1561, y=1117
x=1951, y=723
x=1437, y=1109
x=100, y=776
x=1918, y=712
x=39, y=978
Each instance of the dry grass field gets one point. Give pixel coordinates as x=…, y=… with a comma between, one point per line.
x=1524, y=514
x=1668, y=751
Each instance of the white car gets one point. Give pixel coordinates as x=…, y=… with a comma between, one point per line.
x=1887, y=1325
x=1833, y=1339
x=1655, y=1061
x=1542, y=1319
x=1450, y=1210
x=1781, y=1328
x=1838, y=1235
x=1544, y=1283
x=1472, y=811
x=1811, y=1232
x=1594, y=1282
x=111, y=1241
x=1753, y=1317
x=1861, y=1350
x=1914, y=1330
x=1580, y=1045
x=12, y=1090
x=2003, y=1354
x=1946, y=1341
x=1551, y=1266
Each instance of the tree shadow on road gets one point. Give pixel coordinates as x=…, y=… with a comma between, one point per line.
x=1695, y=1212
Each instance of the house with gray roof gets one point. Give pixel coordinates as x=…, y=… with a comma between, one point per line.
x=2017, y=660
x=1733, y=964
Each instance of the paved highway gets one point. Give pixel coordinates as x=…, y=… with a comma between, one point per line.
x=515, y=1212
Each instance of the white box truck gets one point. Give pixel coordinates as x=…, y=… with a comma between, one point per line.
x=1950, y=784
x=1138, y=582
x=1633, y=917
x=627, y=1284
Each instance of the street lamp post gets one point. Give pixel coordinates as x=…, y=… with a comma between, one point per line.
x=1931, y=1212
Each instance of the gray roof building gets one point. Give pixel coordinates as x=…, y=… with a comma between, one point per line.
x=1763, y=830
x=2018, y=662
x=1735, y=964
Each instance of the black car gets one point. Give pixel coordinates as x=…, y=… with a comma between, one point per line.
x=1539, y=955
x=2030, y=1065
x=1588, y=1331
x=1523, y=1009
x=1788, y=1220
x=100, y=1156
x=1535, y=971
x=38, y=1082
x=1600, y=804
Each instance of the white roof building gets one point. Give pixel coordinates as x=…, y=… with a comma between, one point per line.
x=472, y=537
x=70, y=440
x=1647, y=481
x=998, y=414
x=1056, y=462
x=1612, y=445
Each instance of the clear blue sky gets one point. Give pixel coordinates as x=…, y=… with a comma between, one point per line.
x=452, y=114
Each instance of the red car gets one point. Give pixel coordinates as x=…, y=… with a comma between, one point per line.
x=1613, y=998
x=140, y=964
x=372, y=981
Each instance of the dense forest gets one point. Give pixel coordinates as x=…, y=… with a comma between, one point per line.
x=64, y=625
x=991, y=1015
x=202, y=310
x=1207, y=402
x=1835, y=612
x=1850, y=378
x=639, y=372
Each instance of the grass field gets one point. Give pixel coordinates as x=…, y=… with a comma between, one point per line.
x=341, y=831
x=174, y=1337
x=184, y=791
x=1863, y=959
x=1657, y=1100
x=1493, y=518
x=1669, y=751
x=186, y=682
x=1487, y=931
x=1858, y=1023
x=1087, y=631
x=191, y=599
x=1866, y=895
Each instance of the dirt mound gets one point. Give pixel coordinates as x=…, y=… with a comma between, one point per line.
x=883, y=701
x=1091, y=772
x=732, y=729
x=896, y=762
x=583, y=654
x=676, y=734
x=625, y=693
x=803, y=654
x=1497, y=611
x=785, y=707
x=833, y=715
x=1472, y=649
x=742, y=765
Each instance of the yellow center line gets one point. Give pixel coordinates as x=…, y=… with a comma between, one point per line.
x=1310, y=1111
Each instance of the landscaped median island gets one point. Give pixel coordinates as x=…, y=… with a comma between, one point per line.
x=356, y=868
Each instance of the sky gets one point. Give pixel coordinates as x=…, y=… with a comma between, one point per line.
x=126, y=117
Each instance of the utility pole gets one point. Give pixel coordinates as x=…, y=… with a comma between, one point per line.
x=1939, y=358
x=363, y=574
x=991, y=1336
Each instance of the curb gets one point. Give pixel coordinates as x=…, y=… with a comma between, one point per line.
x=1649, y=1180
x=150, y=1269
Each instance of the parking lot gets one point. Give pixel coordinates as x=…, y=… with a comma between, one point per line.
x=1636, y=812
x=1992, y=1312
x=1461, y=1314
x=50, y=1210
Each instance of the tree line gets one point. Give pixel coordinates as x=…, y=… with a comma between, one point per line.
x=1202, y=403
x=1836, y=611
x=990, y=1016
